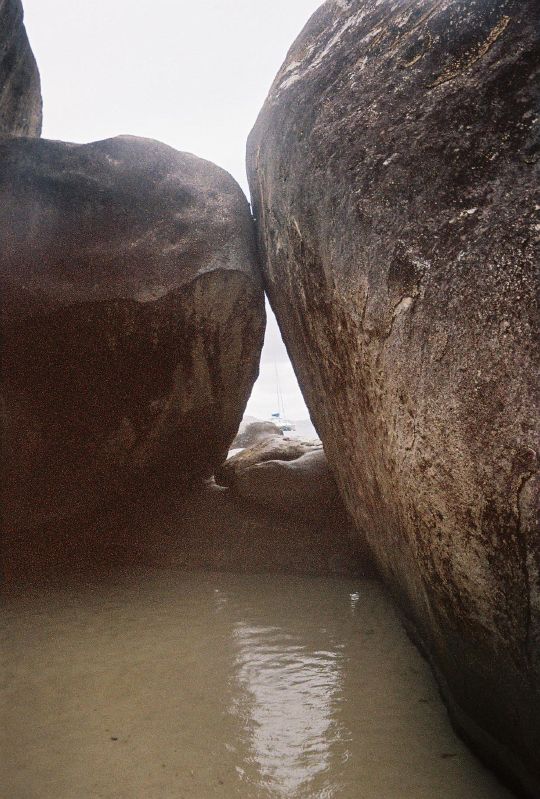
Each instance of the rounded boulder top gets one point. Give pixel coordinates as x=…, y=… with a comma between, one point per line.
x=132, y=320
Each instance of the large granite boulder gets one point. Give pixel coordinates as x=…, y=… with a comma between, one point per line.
x=272, y=448
x=251, y=432
x=132, y=320
x=393, y=171
x=20, y=87
x=288, y=476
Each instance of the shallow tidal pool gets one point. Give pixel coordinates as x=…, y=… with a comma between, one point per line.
x=182, y=685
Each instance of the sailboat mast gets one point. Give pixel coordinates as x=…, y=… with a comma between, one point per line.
x=283, y=423
x=281, y=407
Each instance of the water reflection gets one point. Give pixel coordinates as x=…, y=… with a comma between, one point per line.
x=288, y=693
x=205, y=686
x=355, y=599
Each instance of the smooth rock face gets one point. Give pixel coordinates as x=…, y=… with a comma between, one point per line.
x=289, y=476
x=132, y=320
x=393, y=171
x=303, y=487
x=20, y=87
x=252, y=432
x=281, y=448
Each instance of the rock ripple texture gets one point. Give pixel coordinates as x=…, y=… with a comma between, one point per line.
x=132, y=320
x=393, y=172
x=20, y=87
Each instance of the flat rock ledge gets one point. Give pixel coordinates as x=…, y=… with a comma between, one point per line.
x=207, y=527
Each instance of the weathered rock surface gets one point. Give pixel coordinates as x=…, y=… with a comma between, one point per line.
x=275, y=447
x=20, y=87
x=287, y=475
x=251, y=433
x=132, y=320
x=393, y=171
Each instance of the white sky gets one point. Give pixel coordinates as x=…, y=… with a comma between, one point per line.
x=191, y=73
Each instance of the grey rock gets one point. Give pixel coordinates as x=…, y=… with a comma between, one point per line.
x=251, y=433
x=20, y=87
x=393, y=170
x=132, y=320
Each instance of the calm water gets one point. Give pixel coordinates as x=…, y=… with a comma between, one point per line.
x=198, y=685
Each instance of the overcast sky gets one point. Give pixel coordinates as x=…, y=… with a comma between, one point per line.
x=191, y=73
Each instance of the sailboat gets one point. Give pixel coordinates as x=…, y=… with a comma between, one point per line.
x=279, y=418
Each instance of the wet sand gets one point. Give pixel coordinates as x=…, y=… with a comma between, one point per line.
x=192, y=685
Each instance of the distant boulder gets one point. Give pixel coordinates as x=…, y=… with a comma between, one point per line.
x=20, y=87
x=286, y=475
x=251, y=433
x=273, y=448
x=132, y=320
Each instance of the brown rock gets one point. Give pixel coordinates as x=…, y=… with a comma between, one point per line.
x=273, y=448
x=288, y=476
x=252, y=432
x=132, y=320
x=205, y=527
x=393, y=171
x=303, y=487
x=20, y=87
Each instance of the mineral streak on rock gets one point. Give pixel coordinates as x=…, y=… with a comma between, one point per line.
x=393, y=171
x=132, y=320
x=20, y=88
